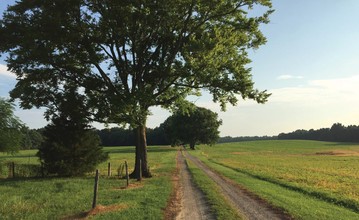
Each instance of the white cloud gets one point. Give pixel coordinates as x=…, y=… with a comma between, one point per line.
x=343, y=85
x=5, y=72
x=317, y=104
x=330, y=91
x=286, y=77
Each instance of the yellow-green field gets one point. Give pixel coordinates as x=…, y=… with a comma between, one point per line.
x=323, y=171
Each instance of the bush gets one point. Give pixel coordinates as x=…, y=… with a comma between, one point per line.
x=70, y=149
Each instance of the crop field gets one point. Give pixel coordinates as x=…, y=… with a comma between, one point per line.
x=307, y=179
x=71, y=198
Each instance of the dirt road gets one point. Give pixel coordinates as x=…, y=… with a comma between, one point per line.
x=194, y=205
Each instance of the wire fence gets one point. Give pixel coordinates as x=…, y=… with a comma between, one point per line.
x=21, y=170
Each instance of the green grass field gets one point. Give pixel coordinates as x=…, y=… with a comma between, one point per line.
x=308, y=179
x=56, y=198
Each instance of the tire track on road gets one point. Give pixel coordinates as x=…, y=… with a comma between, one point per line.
x=248, y=206
x=194, y=204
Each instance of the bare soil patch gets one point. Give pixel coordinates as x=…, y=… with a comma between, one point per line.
x=99, y=209
x=174, y=203
x=340, y=153
x=134, y=185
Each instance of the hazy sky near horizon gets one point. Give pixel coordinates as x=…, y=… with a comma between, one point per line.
x=310, y=65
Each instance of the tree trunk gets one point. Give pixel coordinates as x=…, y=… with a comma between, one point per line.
x=141, y=153
x=192, y=145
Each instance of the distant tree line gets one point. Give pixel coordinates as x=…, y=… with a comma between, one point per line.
x=228, y=139
x=337, y=133
x=118, y=136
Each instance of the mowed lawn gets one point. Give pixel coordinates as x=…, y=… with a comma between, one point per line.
x=307, y=179
x=70, y=198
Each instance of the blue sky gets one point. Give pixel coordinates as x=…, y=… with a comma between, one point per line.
x=310, y=64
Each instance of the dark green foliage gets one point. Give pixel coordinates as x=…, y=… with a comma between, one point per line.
x=32, y=138
x=70, y=147
x=10, y=128
x=198, y=126
x=157, y=136
x=126, y=137
x=117, y=137
x=229, y=139
x=70, y=150
x=337, y=133
x=130, y=55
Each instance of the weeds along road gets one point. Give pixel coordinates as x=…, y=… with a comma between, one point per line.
x=248, y=206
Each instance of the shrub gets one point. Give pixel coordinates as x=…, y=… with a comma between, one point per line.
x=70, y=148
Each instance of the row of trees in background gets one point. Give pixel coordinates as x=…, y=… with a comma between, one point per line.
x=337, y=133
x=118, y=136
x=195, y=126
x=228, y=139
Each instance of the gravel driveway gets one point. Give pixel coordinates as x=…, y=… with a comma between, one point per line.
x=194, y=205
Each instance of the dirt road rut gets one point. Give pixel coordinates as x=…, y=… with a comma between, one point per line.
x=247, y=205
x=194, y=204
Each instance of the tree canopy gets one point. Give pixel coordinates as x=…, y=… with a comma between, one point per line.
x=198, y=126
x=337, y=132
x=10, y=128
x=126, y=56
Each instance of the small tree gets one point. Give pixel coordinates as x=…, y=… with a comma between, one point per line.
x=10, y=128
x=70, y=148
x=199, y=126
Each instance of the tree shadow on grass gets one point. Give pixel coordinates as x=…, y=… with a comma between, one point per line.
x=150, y=149
x=16, y=182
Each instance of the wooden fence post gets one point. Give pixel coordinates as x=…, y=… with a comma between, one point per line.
x=109, y=169
x=42, y=170
x=127, y=177
x=13, y=169
x=95, y=190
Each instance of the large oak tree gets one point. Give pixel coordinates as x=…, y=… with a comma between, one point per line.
x=126, y=56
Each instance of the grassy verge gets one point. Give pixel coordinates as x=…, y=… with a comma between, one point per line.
x=220, y=206
x=269, y=170
x=56, y=198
